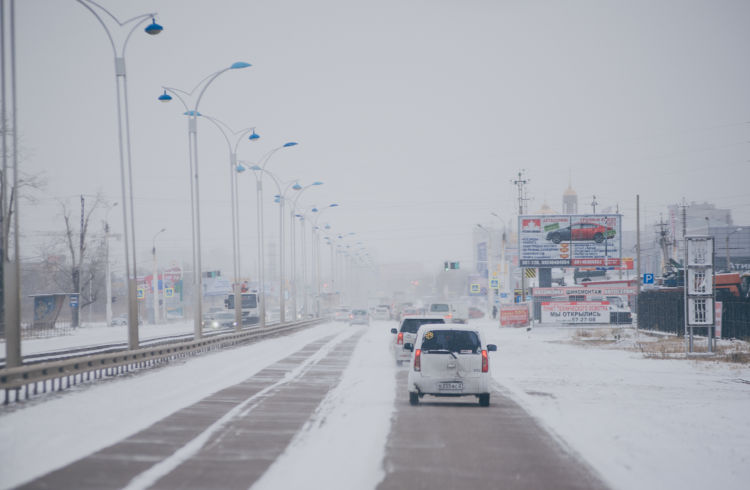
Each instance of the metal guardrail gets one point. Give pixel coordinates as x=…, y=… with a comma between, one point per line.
x=28, y=380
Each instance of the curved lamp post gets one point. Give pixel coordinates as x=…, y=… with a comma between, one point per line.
x=279, y=198
x=233, y=139
x=261, y=165
x=155, y=278
x=110, y=23
x=191, y=101
x=292, y=214
x=489, y=267
x=316, y=250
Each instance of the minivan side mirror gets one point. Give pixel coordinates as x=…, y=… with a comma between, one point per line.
x=409, y=347
x=393, y=330
x=491, y=347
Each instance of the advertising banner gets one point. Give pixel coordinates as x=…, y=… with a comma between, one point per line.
x=717, y=319
x=586, y=240
x=585, y=291
x=575, y=312
x=514, y=315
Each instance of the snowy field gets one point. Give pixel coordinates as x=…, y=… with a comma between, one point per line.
x=641, y=423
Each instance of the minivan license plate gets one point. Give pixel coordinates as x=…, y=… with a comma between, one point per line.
x=453, y=386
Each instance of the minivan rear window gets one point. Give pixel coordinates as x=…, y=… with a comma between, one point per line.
x=439, y=307
x=461, y=341
x=411, y=325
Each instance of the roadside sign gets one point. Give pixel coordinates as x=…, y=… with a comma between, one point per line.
x=717, y=320
x=141, y=293
x=648, y=278
x=168, y=292
x=494, y=283
x=74, y=301
x=475, y=288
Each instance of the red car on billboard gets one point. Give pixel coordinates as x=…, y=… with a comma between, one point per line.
x=581, y=232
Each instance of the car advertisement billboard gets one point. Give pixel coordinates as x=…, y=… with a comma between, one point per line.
x=582, y=240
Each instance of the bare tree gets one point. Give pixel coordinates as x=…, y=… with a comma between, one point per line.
x=83, y=266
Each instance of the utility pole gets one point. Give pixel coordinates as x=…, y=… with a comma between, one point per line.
x=593, y=204
x=639, y=277
x=520, y=184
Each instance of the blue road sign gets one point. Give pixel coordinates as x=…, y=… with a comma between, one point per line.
x=74, y=301
x=648, y=278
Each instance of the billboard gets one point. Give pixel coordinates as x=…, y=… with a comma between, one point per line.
x=514, y=315
x=579, y=240
x=575, y=312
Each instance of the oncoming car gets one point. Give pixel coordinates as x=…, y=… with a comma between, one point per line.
x=449, y=361
x=224, y=319
x=407, y=334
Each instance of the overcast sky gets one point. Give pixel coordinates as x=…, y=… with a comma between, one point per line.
x=415, y=114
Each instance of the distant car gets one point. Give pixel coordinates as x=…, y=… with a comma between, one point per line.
x=410, y=311
x=406, y=334
x=359, y=317
x=341, y=314
x=442, y=309
x=449, y=361
x=223, y=319
x=381, y=313
x=119, y=321
x=475, y=312
x=581, y=232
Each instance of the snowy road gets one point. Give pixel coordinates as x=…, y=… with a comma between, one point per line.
x=326, y=408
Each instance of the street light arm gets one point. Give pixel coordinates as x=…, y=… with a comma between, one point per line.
x=228, y=133
x=101, y=13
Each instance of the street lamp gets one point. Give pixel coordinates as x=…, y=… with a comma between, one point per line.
x=506, y=272
x=489, y=268
x=316, y=249
x=292, y=212
x=108, y=271
x=155, y=277
x=188, y=100
x=261, y=166
x=238, y=136
x=729, y=260
x=119, y=43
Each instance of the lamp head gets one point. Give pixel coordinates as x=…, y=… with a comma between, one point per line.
x=333, y=205
x=291, y=143
x=254, y=136
x=317, y=182
x=153, y=28
x=256, y=168
x=165, y=97
x=296, y=187
x=239, y=64
x=240, y=168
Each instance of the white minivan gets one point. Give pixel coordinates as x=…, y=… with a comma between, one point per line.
x=449, y=361
x=451, y=312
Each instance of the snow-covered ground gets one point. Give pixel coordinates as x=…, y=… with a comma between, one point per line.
x=97, y=334
x=641, y=423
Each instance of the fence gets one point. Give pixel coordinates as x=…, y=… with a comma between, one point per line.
x=663, y=310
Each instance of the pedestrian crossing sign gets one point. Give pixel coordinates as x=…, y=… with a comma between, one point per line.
x=168, y=292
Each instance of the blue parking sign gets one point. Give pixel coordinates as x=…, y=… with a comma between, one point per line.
x=648, y=278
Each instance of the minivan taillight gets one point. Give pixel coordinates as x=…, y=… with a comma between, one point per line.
x=418, y=360
x=400, y=338
x=485, y=362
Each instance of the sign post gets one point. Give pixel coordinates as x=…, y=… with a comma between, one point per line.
x=699, y=287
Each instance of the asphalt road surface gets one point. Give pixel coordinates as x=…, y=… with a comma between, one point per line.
x=229, y=439
x=447, y=443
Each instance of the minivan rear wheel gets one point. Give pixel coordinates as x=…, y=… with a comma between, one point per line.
x=414, y=398
x=484, y=400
